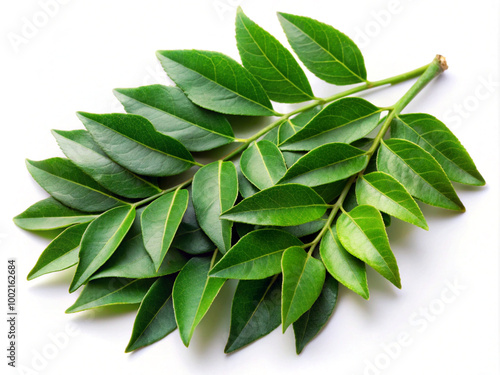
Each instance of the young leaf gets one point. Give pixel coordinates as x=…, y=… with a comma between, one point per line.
x=362, y=233
x=159, y=222
x=418, y=172
x=173, y=114
x=325, y=164
x=61, y=253
x=282, y=205
x=325, y=51
x=81, y=149
x=68, y=184
x=344, y=121
x=112, y=291
x=49, y=214
x=215, y=81
x=314, y=319
x=435, y=138
x=271, y=63
x=101, y=239
x=263, y=164
x=193, y=294
x=133, y=142
x=303, y=279
x=155, y=318
x=215, y=189
x=256, y=255
x=291, y=126
x=347, y=269
x=131, y=260
x=255, y=312
x=380, y=190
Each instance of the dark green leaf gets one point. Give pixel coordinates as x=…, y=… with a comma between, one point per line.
x=155, y=318
x=256, y=255
x=133, y=142
x=291, y=157
x=325, y=51
x=418, y=172
x=173, y=114
x=244, y=186
x=307, y=228
x=271, y=63
x=330, y=191
x=216, y=82
x=362, y=233
x=68, y=184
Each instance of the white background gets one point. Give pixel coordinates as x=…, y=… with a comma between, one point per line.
x=86, y=48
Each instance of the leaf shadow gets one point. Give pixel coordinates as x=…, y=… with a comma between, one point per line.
x=55, y=280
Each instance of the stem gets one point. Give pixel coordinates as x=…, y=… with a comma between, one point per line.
x=365, y=86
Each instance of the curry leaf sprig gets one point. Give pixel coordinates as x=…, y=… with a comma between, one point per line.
x=304, y=208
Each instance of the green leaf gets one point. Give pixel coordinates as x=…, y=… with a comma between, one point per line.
x=325, y=164
x=110, y=291
x=173, y=114
x=155, y=318
x=215, y=189
x=68, y=184
x=215, y=81
x=193, y=294
x=49, y=214
x=256, y=255
x=303, y=279
x=263, y=164
x=362, y=233
x=255, y=312
x=291, y=157
x=271, y=63
x=347, y=269
x=418, y=172
x=307, y=228
x=159, y=222
x=81, y=149
x=245, y=187
x=61, y=253
x=282, y=205
x=291, y=126
x=345, y=121
x=131, y=260
x=272, y=135
x=314, y=319
x=380, y=190
x=100, y=240
x=435, y=138
x=330, y=191
x=325, y=51
x=133, y=142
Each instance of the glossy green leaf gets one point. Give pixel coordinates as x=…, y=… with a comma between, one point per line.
x=435, y=138
x=362, y=233
x=283, y=205
x=133, y=142
x=314, y=319
x=215, y=189
x=325, y=51
x=325, y=164
x=263, y=164
x=194, y=292
x=255, y=312
x=159, y=222
x=81, y=149
x=61, y=253
x=382, y=191
x=155, y=318
x=131, y=260
x=303, y=279
x=291, y=126
x=245, y=187
x=49, y=214
x=110, y=291
x=271, y=63
x=173, y=114
x=68, y=184
x=100, y=240
x=418, y=172
x=256, y=255
x=215, y=81
x=347, y=269
x=344, y=121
